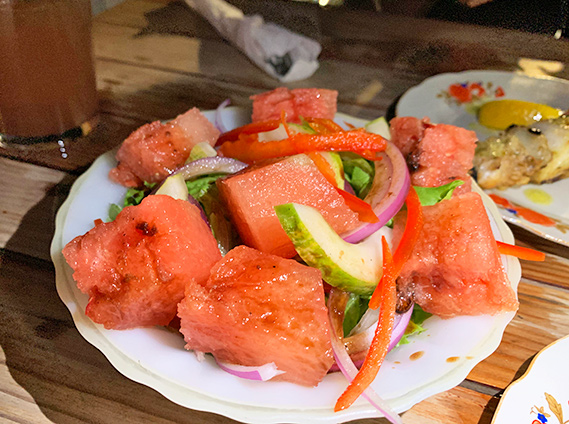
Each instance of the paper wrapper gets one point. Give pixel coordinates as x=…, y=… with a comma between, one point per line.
x=279, y=52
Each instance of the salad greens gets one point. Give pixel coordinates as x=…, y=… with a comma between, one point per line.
x=200, y=186
x=359, y=173
x=429, y=196
x=418, y=317
x=355, y=308
x=132, y=197
x=358, y=305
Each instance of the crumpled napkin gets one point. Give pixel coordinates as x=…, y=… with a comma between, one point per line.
x=279, y=52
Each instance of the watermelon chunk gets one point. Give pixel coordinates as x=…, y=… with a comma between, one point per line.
x=300, y=102
x=436, y=154
x=256, y=309
x=155, y=150
x=251, y=196
x=455, y=268
x=135, y=268
x=407, y=132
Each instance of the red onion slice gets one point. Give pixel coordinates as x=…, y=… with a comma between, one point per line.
x=218, y=121
x=336, y=305
x=391, y=172
x=210, y=165
x=358, y=342
x=361, y=336
x=262, y=373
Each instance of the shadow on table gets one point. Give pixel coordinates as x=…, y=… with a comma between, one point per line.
x=67, y=378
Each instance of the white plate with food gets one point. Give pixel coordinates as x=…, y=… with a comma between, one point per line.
x=541, y=395
x=456, y=98
x=434, y=361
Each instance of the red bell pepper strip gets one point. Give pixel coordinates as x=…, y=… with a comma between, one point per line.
x=324, y=167
x=252, y=128
x=520, y=252
x=380, y=343
x=323, y=126
x=363, y=209
x=388, y=277
x=284, y=123
x=247, y=148
x=412, y=231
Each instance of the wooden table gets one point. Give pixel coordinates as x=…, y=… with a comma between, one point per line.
x=156, y=59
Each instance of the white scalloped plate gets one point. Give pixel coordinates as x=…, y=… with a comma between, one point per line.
x=156, y=357
x=431, y=98
x=542, y=394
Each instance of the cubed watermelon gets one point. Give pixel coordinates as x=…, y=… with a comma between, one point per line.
x=135, y=268
x=297, y=103
x=252, y=195
x=256, y=309
x=156, y=149
x=436, y=154
x=455, y=268
x=407, y=132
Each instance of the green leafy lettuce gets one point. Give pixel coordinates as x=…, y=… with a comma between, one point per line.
x=355, y=308
x=359, y=173
x=429, y=196
x=200, y=186
x=132, y=198
x=418, y=317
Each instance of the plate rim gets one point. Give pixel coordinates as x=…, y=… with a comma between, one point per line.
x=526, y=374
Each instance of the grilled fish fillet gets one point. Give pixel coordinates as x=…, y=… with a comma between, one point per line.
x=535, y=154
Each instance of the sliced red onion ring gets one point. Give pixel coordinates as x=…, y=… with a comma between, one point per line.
x=210, y=165
x=387, y=194
x=358, y=342
x=218, y=121
x=199, y=206
x=262, y=373
x=336, y=305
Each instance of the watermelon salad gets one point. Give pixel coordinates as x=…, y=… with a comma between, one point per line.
x=291, y=247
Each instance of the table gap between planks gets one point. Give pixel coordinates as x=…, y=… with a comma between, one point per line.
x=154, y=60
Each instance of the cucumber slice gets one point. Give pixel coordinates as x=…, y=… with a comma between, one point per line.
x=337, y=166
x=280, y=133
x=201, y=150
x=174, y=186
x=379, y=126
x=356, y=268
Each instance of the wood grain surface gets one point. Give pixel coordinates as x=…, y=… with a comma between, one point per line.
x=156, y=59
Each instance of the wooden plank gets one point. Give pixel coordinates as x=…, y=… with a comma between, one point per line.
x=132, y=13
x=458, y=405
x=541, y=319
x=214, y=59
x=77, y=155
x=554, y=270
x=124, y=91
x=180, y=68
x=379, y=40
x=29, y=199
x=16, y=404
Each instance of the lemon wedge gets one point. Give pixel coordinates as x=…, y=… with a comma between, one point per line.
x=500, y=114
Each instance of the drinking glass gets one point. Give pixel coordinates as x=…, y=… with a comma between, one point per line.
x=47, y=79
